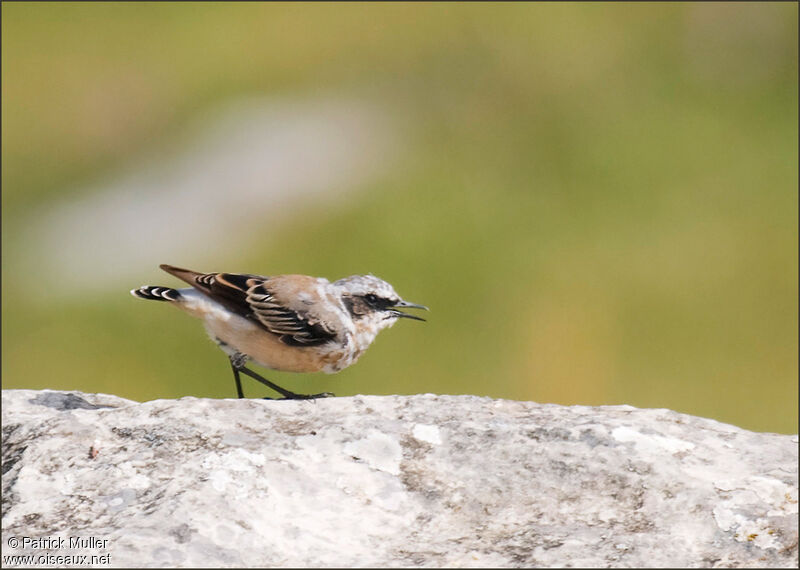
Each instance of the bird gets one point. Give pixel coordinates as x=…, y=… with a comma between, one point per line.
x=291, y=323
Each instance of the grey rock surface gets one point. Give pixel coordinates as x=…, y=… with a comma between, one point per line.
x=395, y=481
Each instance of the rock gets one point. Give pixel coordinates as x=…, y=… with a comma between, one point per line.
x=390, y=481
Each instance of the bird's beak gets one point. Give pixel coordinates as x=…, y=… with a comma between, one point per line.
x=407, y=305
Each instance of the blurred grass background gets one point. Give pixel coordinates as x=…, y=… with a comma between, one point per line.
x=598, y=201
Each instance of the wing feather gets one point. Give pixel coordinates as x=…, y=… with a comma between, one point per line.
x=252, y=297
x=297, y=328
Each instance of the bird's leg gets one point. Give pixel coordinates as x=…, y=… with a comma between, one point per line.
x=239, y=391
x=287, y=395
x=238, y=366
x=238, y=361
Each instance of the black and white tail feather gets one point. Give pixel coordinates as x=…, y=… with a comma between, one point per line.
x=152, y=293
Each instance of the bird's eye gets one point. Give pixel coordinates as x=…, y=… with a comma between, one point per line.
x=371, y=298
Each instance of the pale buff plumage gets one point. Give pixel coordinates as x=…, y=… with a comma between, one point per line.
x=293, y=323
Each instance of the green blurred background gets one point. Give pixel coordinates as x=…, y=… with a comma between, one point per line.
x=598, y=201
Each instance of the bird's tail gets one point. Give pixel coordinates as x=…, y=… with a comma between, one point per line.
x=186, y=274
x=152, y=293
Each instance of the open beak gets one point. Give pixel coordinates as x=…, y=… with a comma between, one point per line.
x=407, y=305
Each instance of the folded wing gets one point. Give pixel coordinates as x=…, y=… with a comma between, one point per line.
x=260, y=299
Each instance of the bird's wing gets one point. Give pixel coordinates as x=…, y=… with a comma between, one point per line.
x=284, y=305
x=290, y=306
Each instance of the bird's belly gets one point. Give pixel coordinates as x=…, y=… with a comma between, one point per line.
x=238, y=334
x=266, y=349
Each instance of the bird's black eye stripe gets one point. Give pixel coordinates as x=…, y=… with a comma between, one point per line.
x=377, y=302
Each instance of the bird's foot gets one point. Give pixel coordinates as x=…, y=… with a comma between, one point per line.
x=304, y=396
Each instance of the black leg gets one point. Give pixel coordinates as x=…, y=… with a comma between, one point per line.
x=287, y=395
x=239, y=391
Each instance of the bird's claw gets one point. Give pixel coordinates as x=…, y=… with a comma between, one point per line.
x=304, y=396
x=309, y=396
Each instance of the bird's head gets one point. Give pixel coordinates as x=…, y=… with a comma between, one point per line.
x=373, y=303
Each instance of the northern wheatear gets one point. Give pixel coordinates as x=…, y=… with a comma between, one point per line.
x=292, y=323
